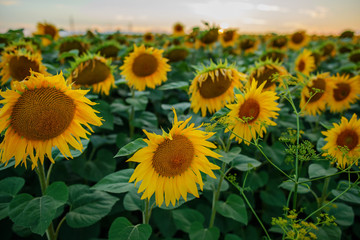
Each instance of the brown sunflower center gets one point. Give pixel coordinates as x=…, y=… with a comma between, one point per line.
x=148, y=37
x=176, y=55
x=94, y=71
x=42, y=114
x=247, y=44
x=48, y=29
x=20, y=67
x=348, y=138
x=297, y=38
x=210, y=37
x=249, y=110
x=74, y=44
x=327, y=49
x=341, y=91
x=144, y=65
x=279, y=42
x=173, y=157
x=213, y=88
x=301, y=65
x=109, y=51
x=228, y=36
x=355, y=57
x=179, y=28
x=319, y=84
x=266, y=75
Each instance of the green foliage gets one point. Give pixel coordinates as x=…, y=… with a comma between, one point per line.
x=121, y=228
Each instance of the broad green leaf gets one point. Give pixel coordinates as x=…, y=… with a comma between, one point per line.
x=351, y=196
x=233, y=208
x=302, y=188
x=9, y=187
x=87, y=206
x=146, y=119
x=10, y=164
x=211, y=184
x=227, y=157
x=117, y=182
x=131, y=147
x=139, y=103
x=122, y=229
x=59, y=192
x=328, y=233
x=17, y=206
x=132, y=200
x=344, y=214
x=179, y=107
x=232, y=237
x=174, y=85
x=275, y=197
x=317, y=170
x=184, y=218
x=320, y=144
x=105, y=112
x=245, y=163
x=163, y=219
x=198, y=232
x=72, y=53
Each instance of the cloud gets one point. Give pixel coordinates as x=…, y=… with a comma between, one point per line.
x=318, y=12
x=255, y=21
x=269, y=8
x=9, y=2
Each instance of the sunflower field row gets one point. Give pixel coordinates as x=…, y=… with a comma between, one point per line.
x=211, y=134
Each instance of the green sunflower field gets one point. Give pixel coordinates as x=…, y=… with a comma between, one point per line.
x=209, y=134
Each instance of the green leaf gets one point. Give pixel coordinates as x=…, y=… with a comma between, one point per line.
x=179, y=107
x=131, y=147
x=72, y=53
x=274, y=197
x=302, y=188
x=10, y=164
x=232, y=237
x=328, y=233
x=17, y=206
x=105, y=112
x=317, y=170
x=132, y=200
x=184, y=218
x=117, y=182
x=94, y=169
x=344, y=214
x=87, y=206
x=233, y=208
x=59, y=192
x=174, y=85
x=351, y=196
x=122, y=229
x=146, y=119
x=198, y=232
x=227, y=157
x=139, y=103
x=245, y=163
x=56, y=154
x=11, y=185
x=211, y=184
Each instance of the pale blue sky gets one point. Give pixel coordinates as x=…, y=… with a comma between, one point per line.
x=315, y=16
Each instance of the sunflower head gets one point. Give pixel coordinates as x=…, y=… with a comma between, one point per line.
x=178, y=29
x=278, y=42
x=176, y=53
x=248, y=44
x=275, y=55
x=343, y=142
x=73, y=43
x=316, y=93
x=317, y=57
x=108, y=49
x=345, y=48
x=305, y=62
x=228, y=37
x=209, y=36
x=252, y=113
x=298, y=40
x=148, y=37
x=40, y=113
x=346, y=91
x=18, y=64
x=47, y=29
x=92, y=70
x=22, y=44
x=354, y=56
x=145, y=67
x=213, y=87
x=328, y=49
x=267, y=71
x=170, y=164
x=347, y=34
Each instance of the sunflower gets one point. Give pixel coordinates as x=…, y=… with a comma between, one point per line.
x=343, y=141
x=274, y=55
x=18, y=63
x=346, y=91
x=145, y=67
x=213, y=87
x=207, y=38
x=108, y=49
x=228, y=38
x=316, y=94
x=19, y=44
x=176, y=53
x=298, y=40
x=305, y=63
x=148, y=37
x=47, y=29
x=269, y=72
x=251, y=114
x=278, y=42
x=328, y=49
x=171, y=163
x=355, y=56
x=94, y=71
x=73, y=43
x=248, y=44
x=178, y=29
x=41, y=113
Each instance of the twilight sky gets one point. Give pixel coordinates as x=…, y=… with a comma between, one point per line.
x=248, y=16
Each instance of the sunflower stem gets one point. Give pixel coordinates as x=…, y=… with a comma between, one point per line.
x=40, y=170
x=146, y=212
x=131, y=116
x=216, y=195
x=324, y=192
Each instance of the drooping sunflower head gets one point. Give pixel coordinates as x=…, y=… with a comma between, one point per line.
x=305, y=62
x=22, y=44
x=278, y=42
x=298, y=40
x=213, y=87
x=354, y=56
x=73, y=43
x=328, y=49
x=178, y=29
x=275, y=55
x=347, y=34
x=41, y=113
x=317, y=57
x=252, y=113
x=108, y=49
x=208, y=37
x=18, y=63
x=228, y=38
x=47, y=29
x=176, y=53
x=248, y=44
x=148, y=37
x=145, y=67
x=345, y=48
x=92, y=70
x=269, y=72
x=346, y=91
x=343, y=142
x=170, y=164
x=316, y=93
